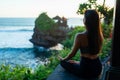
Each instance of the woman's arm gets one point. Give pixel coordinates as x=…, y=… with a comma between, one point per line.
x=75, y=48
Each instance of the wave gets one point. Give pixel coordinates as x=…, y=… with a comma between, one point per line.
x=11, y=24
x=15, y=28
x=12, y=48
x=21, y=30
x=20, y=56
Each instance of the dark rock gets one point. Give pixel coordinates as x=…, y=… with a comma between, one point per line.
x=52, y=37
x=61, y=21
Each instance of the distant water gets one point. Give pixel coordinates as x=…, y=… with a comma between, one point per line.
x=72, y=22
x=17, y=21
x=15, y=47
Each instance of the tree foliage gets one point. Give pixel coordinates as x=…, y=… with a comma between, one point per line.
x=105, y=12
x=44, y=22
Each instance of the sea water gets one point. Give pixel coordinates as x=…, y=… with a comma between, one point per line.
x=15, y=47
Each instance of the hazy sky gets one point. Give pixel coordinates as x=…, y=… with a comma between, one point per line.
x=32, y=8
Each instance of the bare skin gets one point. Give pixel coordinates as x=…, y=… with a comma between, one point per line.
x=80, y=41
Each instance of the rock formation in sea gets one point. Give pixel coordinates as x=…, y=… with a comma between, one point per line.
x=48, y=32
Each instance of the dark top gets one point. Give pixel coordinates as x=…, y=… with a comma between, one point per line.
x=84, y=49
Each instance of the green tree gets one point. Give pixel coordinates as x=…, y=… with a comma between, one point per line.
x=44, y=22
x=105, y=12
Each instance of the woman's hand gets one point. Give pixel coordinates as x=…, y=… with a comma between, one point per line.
x=60, y=58
x=71, y=61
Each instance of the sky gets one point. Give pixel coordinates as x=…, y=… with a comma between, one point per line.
x=32, y=8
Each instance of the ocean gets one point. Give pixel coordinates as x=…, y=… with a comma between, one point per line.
x=15, y=47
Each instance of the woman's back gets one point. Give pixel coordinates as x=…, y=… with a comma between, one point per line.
x=84, y=47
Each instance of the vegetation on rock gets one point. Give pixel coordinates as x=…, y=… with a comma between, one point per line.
x=44, y=22
x=47, y=32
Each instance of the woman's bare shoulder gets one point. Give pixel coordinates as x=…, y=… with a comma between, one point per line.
x=80, y=35
x=82, y=38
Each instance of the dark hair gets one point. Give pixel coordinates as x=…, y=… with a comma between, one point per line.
x=92, y=23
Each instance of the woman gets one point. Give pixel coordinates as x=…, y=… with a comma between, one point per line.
x=89, y=43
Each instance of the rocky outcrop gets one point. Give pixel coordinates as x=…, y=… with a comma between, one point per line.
x=49, y=38
x=62, y=22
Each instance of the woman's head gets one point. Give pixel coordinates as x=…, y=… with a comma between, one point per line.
x=92, y=23
x=91, y=19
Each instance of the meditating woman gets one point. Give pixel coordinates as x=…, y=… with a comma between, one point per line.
x=89, y=43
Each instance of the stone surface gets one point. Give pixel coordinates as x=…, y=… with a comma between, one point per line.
x=61, y=74
x=48, y=39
